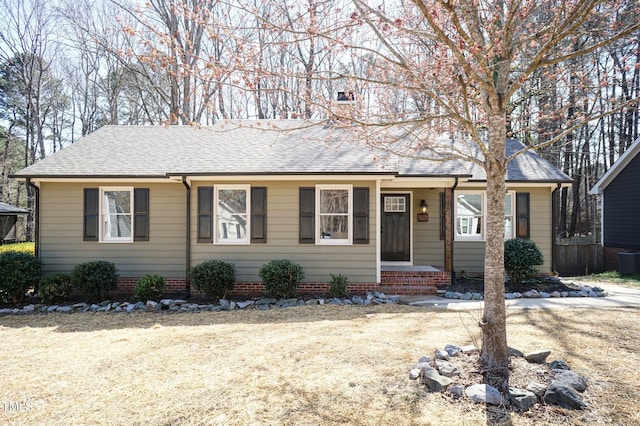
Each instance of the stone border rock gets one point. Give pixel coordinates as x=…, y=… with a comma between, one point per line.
x=180, y=305
x=584, y=291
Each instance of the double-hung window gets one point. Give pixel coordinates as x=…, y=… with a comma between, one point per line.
x=471, y=216
x=116, y=214
x=334, y=216
x=509, y=213
x=232, y=216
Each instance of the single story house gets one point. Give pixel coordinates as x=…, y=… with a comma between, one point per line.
x=619, y=190
x=8, y=219
x=155, y=199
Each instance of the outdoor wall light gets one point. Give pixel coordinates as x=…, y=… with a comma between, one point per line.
x=423, y=206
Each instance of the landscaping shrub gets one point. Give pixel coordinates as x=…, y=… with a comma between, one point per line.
x=95, y=279
x=520, y=259
x=55, y=288
x=338, y=286
x=214, y=278
x=281, y=277
x=19, y=272
x=149, y=287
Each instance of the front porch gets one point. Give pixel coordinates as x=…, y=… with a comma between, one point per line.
x=412, y=280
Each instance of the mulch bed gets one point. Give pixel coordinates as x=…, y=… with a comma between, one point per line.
x=474, y=284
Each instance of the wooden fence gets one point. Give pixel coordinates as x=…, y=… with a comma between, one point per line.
x=578, y=256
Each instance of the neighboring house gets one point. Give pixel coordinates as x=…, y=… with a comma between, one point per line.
x=8, y=219
x=619, y=191
x=163, y=199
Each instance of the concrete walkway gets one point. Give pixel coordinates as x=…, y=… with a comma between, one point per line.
x=618, y=296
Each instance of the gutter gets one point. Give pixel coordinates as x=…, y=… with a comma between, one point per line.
x=453, y=233
x=187, y=237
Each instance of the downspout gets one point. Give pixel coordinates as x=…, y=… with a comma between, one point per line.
x=36, y=224
x=554, y=225
x=453, y=230
x=187, y=237
x=36, y=217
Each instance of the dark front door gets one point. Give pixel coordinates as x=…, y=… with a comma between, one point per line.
x=395, y=231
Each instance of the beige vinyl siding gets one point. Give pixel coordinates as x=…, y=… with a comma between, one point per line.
x=357, y=261
x=540, y=204
x=62, y=247
x=469, y=255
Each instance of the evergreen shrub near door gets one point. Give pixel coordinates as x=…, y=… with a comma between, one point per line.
x=95, y=279
x=520, y=259
x=19, y=273
x=214, y=278
x=281, y=277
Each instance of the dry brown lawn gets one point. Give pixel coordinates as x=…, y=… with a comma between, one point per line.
x=317, y=365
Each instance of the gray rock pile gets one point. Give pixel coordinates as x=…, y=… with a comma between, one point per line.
x=583, y=291
x=180, y=305
x=439, y=373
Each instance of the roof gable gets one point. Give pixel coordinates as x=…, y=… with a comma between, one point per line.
x=622, y=162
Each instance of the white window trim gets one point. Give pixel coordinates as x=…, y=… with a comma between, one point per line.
x=513, y=216
x=333, y=241
x=102, y=235
x=216, y=237
x=482, y=236
x=394, y=207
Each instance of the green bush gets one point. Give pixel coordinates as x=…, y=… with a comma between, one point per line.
x=520, y=259
x=19, y=273
x=149, y=287
x=95, y=279
x=338, y=287
x=281, y=277
x=214, y=278
x=55, y=288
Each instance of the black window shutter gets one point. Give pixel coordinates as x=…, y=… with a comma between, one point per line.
x=361, y=215
x=205, y=214
x=258, y=214
x=307, y=215
x=91, y=207
x=443, y=216
x=141, y=214
x=523, y=224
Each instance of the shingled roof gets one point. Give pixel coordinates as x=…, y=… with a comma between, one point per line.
x=9, y=210
x=258, y=148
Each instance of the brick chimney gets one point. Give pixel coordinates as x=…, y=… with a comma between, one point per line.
x=346, y=103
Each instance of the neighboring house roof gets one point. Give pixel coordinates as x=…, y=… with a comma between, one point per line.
x=9, y=210
x=617, y=167
x=255, y=148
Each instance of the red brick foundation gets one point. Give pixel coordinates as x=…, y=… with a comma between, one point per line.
x=401, y=283
x=173, y=285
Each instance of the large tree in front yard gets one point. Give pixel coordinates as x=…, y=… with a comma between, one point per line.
x=458, y=66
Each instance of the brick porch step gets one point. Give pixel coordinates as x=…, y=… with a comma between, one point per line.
x=413, y=282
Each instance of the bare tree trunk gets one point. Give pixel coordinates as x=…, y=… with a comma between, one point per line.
x=495, y=353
